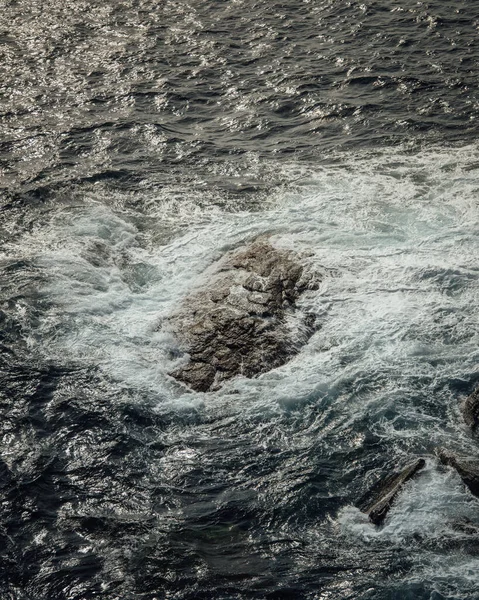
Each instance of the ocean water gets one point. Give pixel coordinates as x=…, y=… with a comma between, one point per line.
x=141, y=140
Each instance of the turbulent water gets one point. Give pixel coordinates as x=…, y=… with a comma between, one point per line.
x=143, y=139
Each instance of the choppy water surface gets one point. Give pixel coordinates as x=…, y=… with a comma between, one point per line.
x=141, y=141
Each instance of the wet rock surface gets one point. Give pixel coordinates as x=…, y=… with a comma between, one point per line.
x=470, y=410
x=377, y=503
x=244, y=320
x=467, y=468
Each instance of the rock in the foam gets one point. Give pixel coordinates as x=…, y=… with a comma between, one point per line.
x=377, y=503
x=240, y=321
x=467, y=468
x=470, y=410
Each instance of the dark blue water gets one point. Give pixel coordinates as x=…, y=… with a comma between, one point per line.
x=140, y=141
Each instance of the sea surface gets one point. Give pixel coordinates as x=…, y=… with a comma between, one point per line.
x=140, y=140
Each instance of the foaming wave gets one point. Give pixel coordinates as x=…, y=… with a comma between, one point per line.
x=395, y=236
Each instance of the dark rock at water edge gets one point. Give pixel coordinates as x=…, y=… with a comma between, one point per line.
x=240, y=321
x=467, y=468
x=470, y=410
x=378, y=501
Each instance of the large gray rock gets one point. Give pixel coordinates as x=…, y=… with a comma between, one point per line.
x=241, y=320
x=467, y=468
x=381, y=497
x=470, y=410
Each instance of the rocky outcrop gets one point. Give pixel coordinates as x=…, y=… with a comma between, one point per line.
x=379, y=500
x=241, y=320
x=467, y=468
x=470, y=410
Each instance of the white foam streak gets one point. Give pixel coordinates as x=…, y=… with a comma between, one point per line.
x=396, y=239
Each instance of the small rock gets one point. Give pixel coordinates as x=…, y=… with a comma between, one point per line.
x=467, y=468
x=470, y=410
x=381, y=497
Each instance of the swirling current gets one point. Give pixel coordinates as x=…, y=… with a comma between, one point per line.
x=140, y=141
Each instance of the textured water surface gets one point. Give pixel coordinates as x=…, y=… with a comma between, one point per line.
x=140, y=142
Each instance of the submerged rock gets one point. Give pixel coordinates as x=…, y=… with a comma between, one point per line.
x=240, y=321
x=381, y=497
x=465, y=525
x=467, y=468
x=470, y=410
